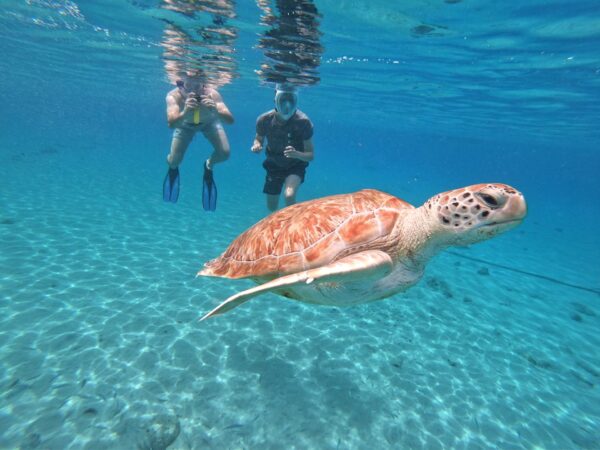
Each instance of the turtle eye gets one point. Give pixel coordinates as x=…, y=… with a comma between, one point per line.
x=489, y=200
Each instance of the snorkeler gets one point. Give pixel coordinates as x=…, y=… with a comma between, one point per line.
x=191, y=107
x=289, y=146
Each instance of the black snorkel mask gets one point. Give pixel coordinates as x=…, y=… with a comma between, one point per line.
x=286, y=102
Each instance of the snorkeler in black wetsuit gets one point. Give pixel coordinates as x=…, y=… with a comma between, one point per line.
x=289, y=146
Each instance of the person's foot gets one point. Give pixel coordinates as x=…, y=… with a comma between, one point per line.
x=171, y=186
x=209, y=189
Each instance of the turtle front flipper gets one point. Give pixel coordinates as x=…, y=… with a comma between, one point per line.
x=356, y=267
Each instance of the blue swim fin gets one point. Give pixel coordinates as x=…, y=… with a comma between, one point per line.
x=171, y=186
x=209, y=190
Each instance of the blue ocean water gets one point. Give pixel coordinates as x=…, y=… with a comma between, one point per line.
x=100, y=347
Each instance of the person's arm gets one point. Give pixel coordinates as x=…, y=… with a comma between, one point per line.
x=257, y=145
x=307, y=155
x=309, y=149
x=176, y=117
x=220, y=107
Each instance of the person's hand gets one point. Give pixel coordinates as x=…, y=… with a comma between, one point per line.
x=291, y=152
x=191, y=103
x=208, y=102
x=256, y=147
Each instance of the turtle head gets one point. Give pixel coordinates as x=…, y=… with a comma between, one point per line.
x=476, y=213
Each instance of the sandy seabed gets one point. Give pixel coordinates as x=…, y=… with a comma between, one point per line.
x=100, y=347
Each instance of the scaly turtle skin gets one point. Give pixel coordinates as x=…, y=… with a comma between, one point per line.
x=356, y=248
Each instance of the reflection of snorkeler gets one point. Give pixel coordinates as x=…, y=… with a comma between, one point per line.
x=289, y=146
x=192, y=107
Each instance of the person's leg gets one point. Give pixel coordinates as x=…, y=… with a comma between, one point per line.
x=290, y=187
x=179, y=145
x=273, y=184
x=272, y=202
x=215, y=134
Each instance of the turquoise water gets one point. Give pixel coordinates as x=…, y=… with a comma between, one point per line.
x=100, y=347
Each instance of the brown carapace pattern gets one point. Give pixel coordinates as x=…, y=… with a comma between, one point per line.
x=308, y=235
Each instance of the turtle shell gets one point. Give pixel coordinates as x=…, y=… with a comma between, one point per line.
x=310, y=234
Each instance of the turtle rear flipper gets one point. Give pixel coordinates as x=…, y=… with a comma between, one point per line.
x=356, y=267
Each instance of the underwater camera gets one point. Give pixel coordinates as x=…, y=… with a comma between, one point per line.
x=196, y=95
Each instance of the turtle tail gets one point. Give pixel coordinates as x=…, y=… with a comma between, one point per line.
x=225, y=268
x=215, y=268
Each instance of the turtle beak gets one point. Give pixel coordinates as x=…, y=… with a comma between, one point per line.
x=510, y=215
x=515, y=209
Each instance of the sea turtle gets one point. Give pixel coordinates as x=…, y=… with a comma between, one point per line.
x=355, y=248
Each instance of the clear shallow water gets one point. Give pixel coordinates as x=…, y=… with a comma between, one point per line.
x=100, y=344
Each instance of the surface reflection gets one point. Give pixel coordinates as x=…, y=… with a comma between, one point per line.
x=200, y=37
x=291, y=45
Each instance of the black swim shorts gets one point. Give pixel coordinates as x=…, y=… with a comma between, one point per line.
x=276, y=176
